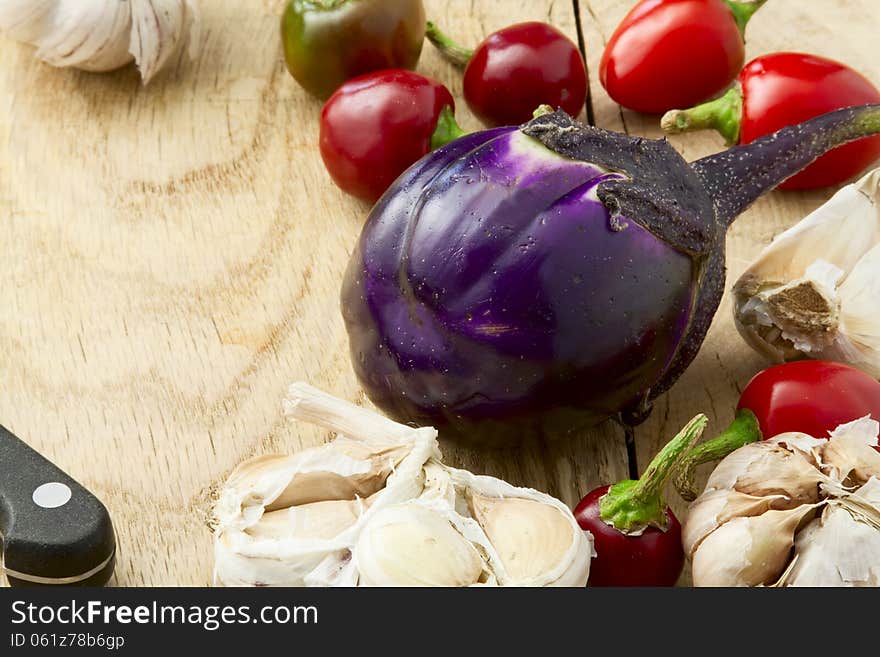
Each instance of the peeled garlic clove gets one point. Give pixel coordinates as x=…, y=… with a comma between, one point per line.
x=812, y=292
x=102, y=35
x=768, y=468
x=530, y=538
x=317, y=520
x=836, y=550
x=715, y=507
x=412, y=545
x=849, y=454
x=748, y=551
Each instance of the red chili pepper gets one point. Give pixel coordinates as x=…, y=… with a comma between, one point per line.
x=517, y=69
x=675, y=53
x=636, y=536
x=375, y=126
x=783, y=89
x=809, y=396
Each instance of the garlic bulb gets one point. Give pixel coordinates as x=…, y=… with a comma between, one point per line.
x=791, y=511
x=377, y=507
x=813, y=291
x=102, y=35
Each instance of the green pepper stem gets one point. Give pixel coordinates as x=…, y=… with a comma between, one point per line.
x=743, y=11
x=630, y=506
x=723, y=114
x=447, y=129
x=743, y=430
x=450, y=50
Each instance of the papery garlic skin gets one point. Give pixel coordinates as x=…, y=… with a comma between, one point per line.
x=837, y=550
x=813, y=291
x=791, y=511
x=103, y=35
x=377, y=507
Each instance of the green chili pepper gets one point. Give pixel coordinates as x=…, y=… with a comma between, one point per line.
x=327, y=42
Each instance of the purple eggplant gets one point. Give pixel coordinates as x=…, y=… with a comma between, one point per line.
x=534, y=280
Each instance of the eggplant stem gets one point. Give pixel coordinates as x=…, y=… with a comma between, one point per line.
x=735, y=178
x=447, y=129
x=632, y=505
x=743, y=11
x=723, y=114
x=743, y=430
x=451, y=51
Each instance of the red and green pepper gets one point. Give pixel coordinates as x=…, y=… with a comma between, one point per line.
x=809, y=396
x=327, y=42
x=516, y=69
x=636, y=536
x=377, y=125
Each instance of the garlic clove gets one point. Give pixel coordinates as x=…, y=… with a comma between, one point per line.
x=858, y=317
x=768, y=468
x=715, y=507
x=239, y=560
x=412, y=545
x=317, y=520
x=103, y=35
x=796, y=441
x=574, y=567
x=300, y=520
x=92, y=36
x=342, y=470
x=26, y=20
x=530, y=538
x=158, y=29
x=836, y=550
x=811, y=292
x=748, y=551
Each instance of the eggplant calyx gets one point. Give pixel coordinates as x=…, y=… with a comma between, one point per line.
x=451, y=51
x=723, y=114
x=743, y=430
x=743, y=11
x=660, y=191
x=630, y=506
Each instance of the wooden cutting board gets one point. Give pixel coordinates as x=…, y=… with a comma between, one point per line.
x=172, y=259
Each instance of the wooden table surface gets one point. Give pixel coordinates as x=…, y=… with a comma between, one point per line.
x=173, y=254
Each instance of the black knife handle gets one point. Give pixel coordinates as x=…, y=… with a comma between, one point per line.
x=53, y=531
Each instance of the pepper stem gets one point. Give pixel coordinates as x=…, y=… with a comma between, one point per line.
x=723, y=114
x=447, y=129
x=743, y=430
x=632, y=505
x=450, y=50
x=743, y=11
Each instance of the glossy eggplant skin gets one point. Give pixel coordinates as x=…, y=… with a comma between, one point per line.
x=492, y=291
x=527, y=282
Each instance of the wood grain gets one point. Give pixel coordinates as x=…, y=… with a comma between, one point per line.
x=173, y=256
x=844, y=30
